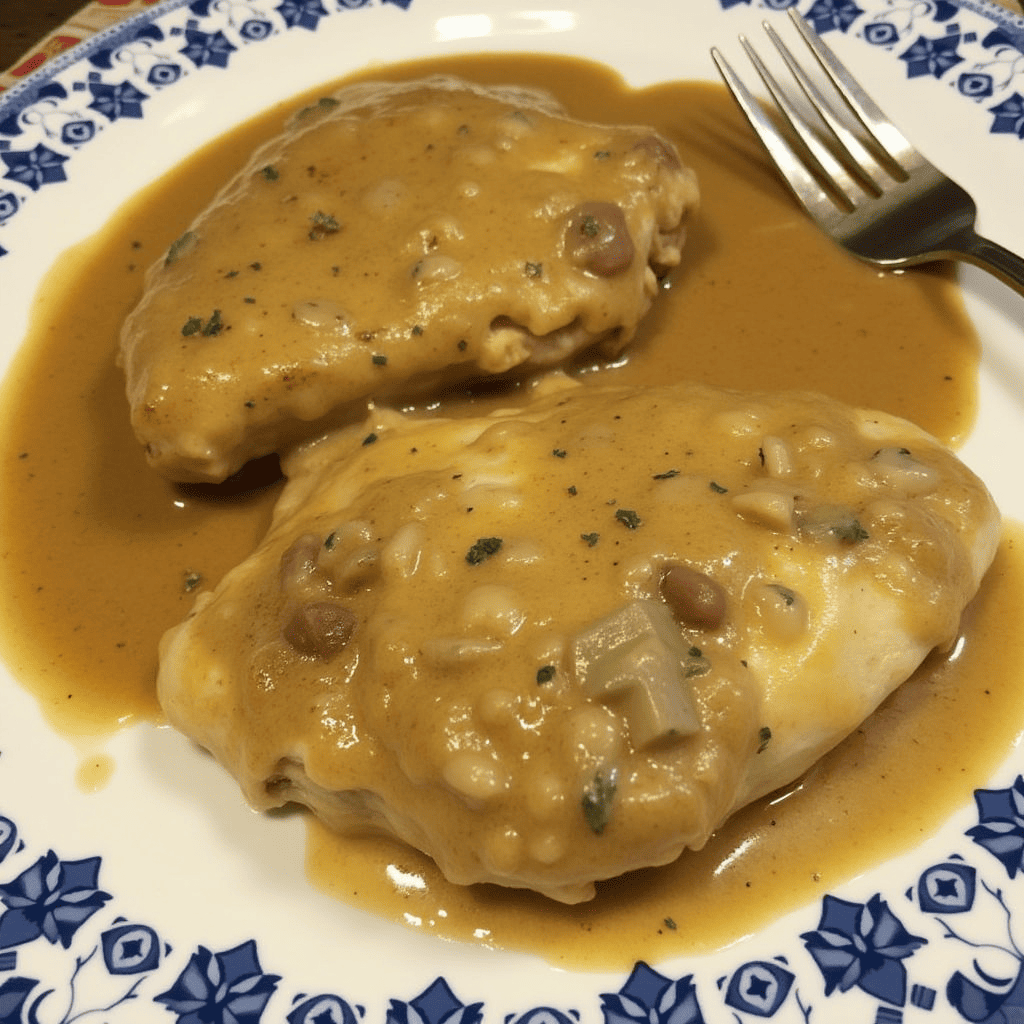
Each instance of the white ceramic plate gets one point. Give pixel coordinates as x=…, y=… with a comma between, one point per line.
x=161, y=898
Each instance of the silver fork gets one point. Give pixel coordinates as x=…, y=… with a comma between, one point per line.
x=861, y=180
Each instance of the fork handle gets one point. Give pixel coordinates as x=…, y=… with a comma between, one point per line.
x=991, y=256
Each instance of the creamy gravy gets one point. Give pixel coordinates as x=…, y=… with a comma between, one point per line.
x=102, y=556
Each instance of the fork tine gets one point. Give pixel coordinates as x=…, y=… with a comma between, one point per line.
x=890, y=140
x=804, y=186
x=862, y=159
x=834, y=172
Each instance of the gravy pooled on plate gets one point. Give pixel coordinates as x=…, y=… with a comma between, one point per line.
x=396, y=240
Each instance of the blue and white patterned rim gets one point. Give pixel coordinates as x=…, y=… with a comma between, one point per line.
x=865, y=958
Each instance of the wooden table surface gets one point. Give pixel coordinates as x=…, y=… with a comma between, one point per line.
x=32, y=31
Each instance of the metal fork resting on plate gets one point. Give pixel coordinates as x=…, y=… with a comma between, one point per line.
x=868, y=187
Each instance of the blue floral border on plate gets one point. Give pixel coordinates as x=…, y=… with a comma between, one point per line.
x=860, y=956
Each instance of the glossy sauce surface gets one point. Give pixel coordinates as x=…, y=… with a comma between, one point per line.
x=101, y=555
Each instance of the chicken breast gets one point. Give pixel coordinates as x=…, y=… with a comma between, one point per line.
x=396, y=240
x=557, y=643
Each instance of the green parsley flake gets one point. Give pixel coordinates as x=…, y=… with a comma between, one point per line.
x=534, y=269
x=590, y=226
x=323, y=225
x=270, y=172
x=369, y=439
x=545, y=674
x=667, y=475
x=379, y=359
x=559, y=453
x=179, y=247
x=718, y=488
x=590, y=538
x=628, y=518
x=850, y=532
x=597, y=800
x=764, y=737
x=192, y=580
x=483, y=549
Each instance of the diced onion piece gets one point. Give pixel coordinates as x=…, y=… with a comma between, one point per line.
x=635, y=659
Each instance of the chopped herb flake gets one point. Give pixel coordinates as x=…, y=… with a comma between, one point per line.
x=270, y=172
x=463, y=345
x=369, y=439
x=628, y=518
x=323, y=225
x=179, y=247
x=192, y=326
x=667, y=475
x=590, y=538
x=483, y=549
x=192, y=580
x=559, y=453
x=670, y=924
x=597, y=801
x=379, y=359
x=534, y=269
x=850, y=532
x=209, y=329
x=602, y=154
x=590, y=226
x=764, y=737
x=545, y=674
x=718, y=488
x=417, y=330
x=572, y=489
x=330, y=540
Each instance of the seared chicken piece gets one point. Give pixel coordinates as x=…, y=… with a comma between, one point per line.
x=396, y=240
x=554, y=644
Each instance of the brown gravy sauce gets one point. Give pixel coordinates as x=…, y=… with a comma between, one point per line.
x=98, y=551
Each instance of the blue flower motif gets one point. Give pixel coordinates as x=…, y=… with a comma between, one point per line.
x=130, y=949
x=881, y=33
x=8, y=830
x=825, y=15
x=52, y=899
x=164, y=74
x=864, y=945
x=980, y=1006
x=650, y=998
x=404, y=4
x=221, y=988
x=1009, y=119
x=75, y=133
x=204, y=48
x=932, y=56
x=947, y=889
x=436, y=1004
x=35, y=167
x=779, y=5
x=759, y=987
x=13, y=994
x=115, y=101
x=726, y=4
x=1000, y=828
x=255, y=30
x=302, y=13
x=544, y=1015
x=323, y=1010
